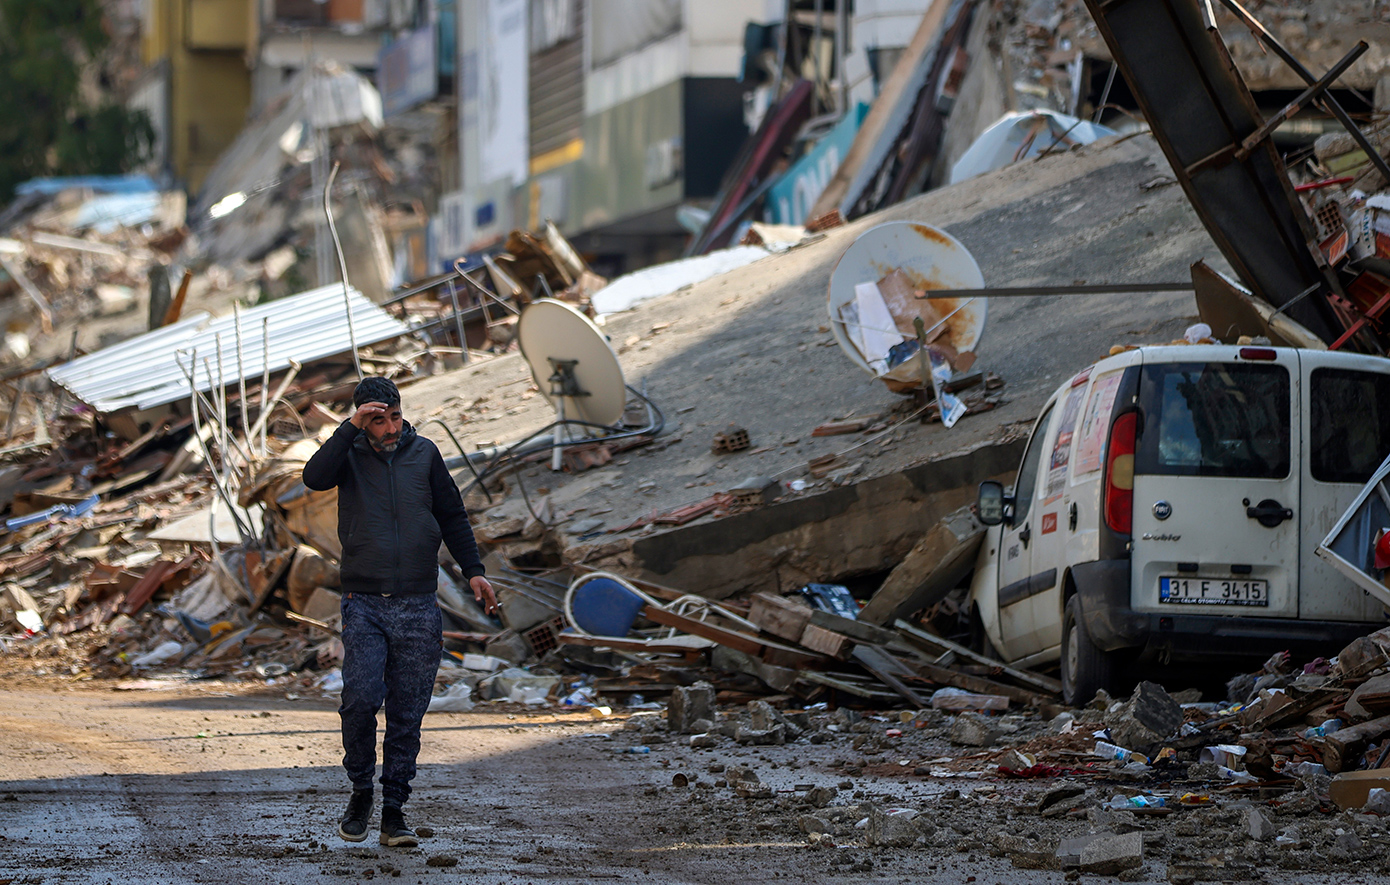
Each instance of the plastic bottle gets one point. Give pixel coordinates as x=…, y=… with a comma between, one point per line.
x=641, y=750
x=1121, y=802
x=1119, y=754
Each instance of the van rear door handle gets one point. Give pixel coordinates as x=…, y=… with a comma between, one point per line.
x=1269, y=513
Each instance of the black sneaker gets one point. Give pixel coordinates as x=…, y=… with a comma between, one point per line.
x=353, y=826
x=394, y=832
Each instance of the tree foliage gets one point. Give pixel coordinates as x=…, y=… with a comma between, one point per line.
x=46, y=126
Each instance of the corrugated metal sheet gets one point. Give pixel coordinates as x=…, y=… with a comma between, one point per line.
x=144, y=372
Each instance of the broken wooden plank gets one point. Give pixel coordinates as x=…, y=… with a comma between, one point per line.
x=1342, y=748
x=939, y=645
x=890, y=672
x=1294, y=710
x=827, y=642
x=979, y=684
x=771, y=652
x=780, y=616
x=859, y=631
x=835, y=428
x=840, y=684
x=683, y=645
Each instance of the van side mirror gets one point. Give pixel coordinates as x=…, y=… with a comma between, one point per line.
x=990, y=502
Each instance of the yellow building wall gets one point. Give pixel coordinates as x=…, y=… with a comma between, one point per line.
x=208, y=44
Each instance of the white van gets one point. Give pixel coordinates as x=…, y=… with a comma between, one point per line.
x=1168, y=505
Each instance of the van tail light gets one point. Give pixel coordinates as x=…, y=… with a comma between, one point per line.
x=1119, y=474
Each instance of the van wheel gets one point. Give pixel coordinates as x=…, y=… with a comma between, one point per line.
x=1085, y=668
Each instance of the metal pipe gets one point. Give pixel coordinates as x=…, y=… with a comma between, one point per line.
x=241, y=372
x=1318, y=88
x=458, y=321
x=342, y=266
x=222, y=407
x=1026, y=291
x=207, y=455
x=209, y=407
x=285, y=382
x=265, y=376
x=1105, y=93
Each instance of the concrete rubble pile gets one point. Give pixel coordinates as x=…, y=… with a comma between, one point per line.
x=1149, y=787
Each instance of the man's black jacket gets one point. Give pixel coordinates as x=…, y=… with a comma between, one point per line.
x=393, y=510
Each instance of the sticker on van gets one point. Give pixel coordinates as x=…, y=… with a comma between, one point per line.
x=1061, y=449
x=1094, y=426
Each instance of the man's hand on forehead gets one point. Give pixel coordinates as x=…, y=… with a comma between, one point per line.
x=367, y=411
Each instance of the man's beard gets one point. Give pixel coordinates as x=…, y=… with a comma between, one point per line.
x=382, y=446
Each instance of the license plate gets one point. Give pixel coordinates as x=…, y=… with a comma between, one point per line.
x=1213, y=591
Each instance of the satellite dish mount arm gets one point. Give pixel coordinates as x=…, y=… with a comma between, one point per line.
x=563, y=385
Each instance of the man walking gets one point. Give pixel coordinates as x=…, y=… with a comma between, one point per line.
x=396, y=502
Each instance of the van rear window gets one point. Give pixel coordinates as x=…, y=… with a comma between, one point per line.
x=1214, y=419
x=1350, y=424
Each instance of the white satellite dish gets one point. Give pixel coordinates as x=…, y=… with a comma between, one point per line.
x=572, y=365
x=930, y=259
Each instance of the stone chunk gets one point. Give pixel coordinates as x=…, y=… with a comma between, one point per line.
x=703, y=741
x=819, y=797
x=1068, y=853
x=763, y=716
x=809, y=823
x=1058, y=800
x=761, y=736
x=898, y=830
x=1149, y=716
x=689, y=704
x=974, y=730
x=1111, y=855
x=1024, y=853
x=750, y=790
x=1261, y=828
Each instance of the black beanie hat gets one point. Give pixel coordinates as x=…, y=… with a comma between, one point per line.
x=376, y=390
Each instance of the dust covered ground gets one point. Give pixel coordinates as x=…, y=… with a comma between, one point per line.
x=207, y=782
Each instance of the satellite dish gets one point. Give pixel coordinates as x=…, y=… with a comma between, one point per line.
x=572, y=365
x=929, y=259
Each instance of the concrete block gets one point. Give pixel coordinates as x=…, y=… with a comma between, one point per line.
x=761, y=737
x=929, y=572
x=809, y=823
x=763, y=716
x=1112, y=854
x=974, y=730
x=508, y=646
x=898, y=830
x=1025, y=853
x=1149, y=716
x=689, y=704
x=1261, y=828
